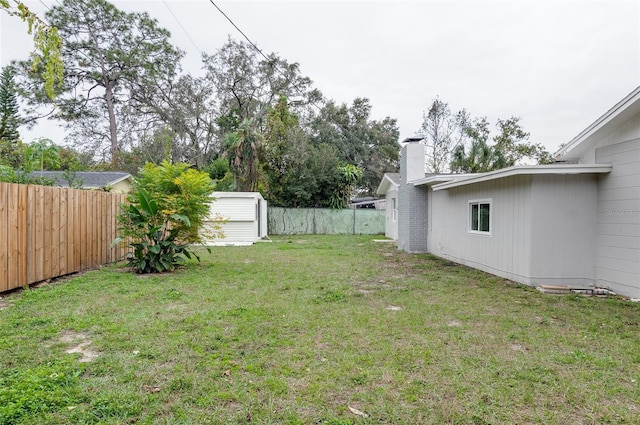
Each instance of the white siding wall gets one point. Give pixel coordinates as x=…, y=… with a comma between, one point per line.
x=242, y=225
x=564, y=215
x=391, y=218
x=618, y=238
x=630, y=130
x=506, y=252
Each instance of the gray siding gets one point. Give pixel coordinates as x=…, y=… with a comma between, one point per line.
x=506, y=251
x=541, y=228
x=618, y=229
x=563, y=222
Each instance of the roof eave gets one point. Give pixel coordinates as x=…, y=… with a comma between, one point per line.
x=116, y=181
x=566, y=152
x=385, y=184
x=440, y=178
x=527, y=170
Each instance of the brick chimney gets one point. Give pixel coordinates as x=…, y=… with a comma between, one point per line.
x=412, y=200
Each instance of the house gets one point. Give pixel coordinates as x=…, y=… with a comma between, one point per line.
x=367, y=202
x=244, y=215
x=389, y=188
x=117, y=182
x=574, y=223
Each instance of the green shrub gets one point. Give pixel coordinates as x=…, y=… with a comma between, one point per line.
x=178, y=189
x=154, y=235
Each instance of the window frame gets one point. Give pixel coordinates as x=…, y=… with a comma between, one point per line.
x=470, y=216
x=394, y=210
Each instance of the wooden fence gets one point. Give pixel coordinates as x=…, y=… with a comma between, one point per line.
x=46, y=232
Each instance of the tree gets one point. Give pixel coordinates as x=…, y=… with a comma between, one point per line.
x=9, y=112
x=108, y=54
x=349, y=176
x=10, y=145
x=244, y=150
x=282, y=128
x=46, y=58
x=443, y=132
x=41, y=154
x=513, y=142
x=368, y=144
x=248, y=83
x=480, y=157
x=188, y=108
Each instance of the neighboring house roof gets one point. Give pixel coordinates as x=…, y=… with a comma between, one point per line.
x=90, y=179
x=521, y=170
x=600, y=128
x=389, y=180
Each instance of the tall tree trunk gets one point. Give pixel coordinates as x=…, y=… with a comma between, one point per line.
x=113, y=128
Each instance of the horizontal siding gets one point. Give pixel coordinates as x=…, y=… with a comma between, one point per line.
x=621, y=241
x=234, y=209
x=620, y=194
x=234, y=233
x=619, y=229
x=618, y=252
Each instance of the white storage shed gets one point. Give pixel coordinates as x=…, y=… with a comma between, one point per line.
x=246, y=218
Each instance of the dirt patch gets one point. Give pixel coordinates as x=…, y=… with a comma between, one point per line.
x=80, y=344
x=3, y=304
x=518, y=347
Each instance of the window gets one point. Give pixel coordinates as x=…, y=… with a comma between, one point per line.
x=394, y=212
x=480, y=216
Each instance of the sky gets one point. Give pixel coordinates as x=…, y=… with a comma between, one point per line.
x=558, y=65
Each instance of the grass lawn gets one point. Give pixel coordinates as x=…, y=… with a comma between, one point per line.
x=315, y=330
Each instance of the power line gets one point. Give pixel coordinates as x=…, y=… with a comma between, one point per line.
x=239, y=30
x=181, y=26
x=300, y=92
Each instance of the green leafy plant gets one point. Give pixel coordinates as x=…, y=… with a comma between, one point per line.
x=349, y=176
x=154, y=234
x=178, y=189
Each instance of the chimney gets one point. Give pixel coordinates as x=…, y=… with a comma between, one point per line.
x=412, y=159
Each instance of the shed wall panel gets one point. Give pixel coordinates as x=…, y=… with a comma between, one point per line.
x=235, y=209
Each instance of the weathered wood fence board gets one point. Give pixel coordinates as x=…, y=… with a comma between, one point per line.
x=46, y=232
x=320, y=221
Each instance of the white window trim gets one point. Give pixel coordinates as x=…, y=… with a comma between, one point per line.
x=394, y=210
x=480, y=202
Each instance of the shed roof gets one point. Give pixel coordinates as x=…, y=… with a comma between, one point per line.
x=237, y=195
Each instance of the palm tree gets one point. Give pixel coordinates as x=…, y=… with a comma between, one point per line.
x=244, y=150
x=480, y=158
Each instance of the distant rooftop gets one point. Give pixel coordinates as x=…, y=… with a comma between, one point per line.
x=90, y=179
